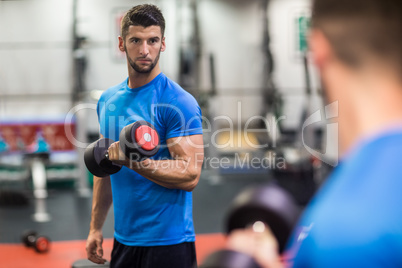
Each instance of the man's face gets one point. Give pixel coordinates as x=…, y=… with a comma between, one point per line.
x=143, y=47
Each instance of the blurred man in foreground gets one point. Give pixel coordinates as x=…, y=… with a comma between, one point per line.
x=355, y=219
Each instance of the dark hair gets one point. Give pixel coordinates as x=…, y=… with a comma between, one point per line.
x=142, y=15
x=362, y=30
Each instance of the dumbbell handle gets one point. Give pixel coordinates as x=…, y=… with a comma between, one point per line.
x=259, y=227
x=107, y=156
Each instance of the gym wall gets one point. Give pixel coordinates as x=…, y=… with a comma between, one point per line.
x=36, y=54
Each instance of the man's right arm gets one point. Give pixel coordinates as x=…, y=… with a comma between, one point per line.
x=101, y=202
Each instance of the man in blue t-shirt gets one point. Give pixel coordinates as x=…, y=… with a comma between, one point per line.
x=355, y=220
x=152, y=199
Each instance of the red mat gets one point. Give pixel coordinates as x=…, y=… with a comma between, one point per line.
x=62, y=254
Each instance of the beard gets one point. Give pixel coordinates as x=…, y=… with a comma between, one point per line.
x=145, y=69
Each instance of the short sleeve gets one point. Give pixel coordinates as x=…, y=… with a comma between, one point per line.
x=183, y=117
x=99, y=108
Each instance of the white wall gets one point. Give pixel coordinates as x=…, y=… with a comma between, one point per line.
x=232, y=32
x=289, y=72
x=36, y=57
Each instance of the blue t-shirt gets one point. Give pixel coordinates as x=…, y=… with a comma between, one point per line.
x=145, y=213
x=356, y=218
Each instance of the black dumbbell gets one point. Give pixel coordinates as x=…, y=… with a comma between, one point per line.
x=268, y=205
x=39, y=242
x=138, y=141
x=96, y=158
x=229, y=259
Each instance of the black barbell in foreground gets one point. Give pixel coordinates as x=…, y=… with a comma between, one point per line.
x=256, y=207
x=229, y=259
x=269, y=204
x=138, y=141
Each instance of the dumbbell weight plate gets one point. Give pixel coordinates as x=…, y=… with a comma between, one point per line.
x=139, y=140
x=271, y=205
x=229, y=259
x=42, y=244
x=96, y=161
x=28, y=238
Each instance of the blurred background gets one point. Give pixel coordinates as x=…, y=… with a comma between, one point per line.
x=246, y=62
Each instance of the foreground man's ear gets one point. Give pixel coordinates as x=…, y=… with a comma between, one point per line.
x=320, y=48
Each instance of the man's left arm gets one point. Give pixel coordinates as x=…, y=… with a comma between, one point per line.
x=182, y=172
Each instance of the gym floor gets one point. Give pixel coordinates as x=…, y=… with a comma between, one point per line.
x=70, y=214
